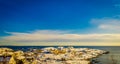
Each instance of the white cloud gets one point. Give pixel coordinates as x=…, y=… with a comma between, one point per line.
x=109, y=28
x=54, y=36
x=107, y=24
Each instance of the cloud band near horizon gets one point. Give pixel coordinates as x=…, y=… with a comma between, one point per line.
x=105, y=33
x=46, y=36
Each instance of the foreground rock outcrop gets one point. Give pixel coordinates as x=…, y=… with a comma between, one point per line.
x=51, y=55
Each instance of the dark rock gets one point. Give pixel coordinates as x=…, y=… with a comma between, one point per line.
x=107, y=52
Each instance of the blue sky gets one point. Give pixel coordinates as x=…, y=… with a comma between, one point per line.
x=73, y=16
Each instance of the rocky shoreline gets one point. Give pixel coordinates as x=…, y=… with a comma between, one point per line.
x=50, y=55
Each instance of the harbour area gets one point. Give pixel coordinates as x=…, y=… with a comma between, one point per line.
x=50, y=55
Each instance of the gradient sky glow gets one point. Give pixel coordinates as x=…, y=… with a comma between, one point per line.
x=64, y=22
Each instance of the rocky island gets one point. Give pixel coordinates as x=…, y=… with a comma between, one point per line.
x=50, y=55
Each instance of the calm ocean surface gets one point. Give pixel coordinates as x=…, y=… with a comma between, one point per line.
x=112, y=58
